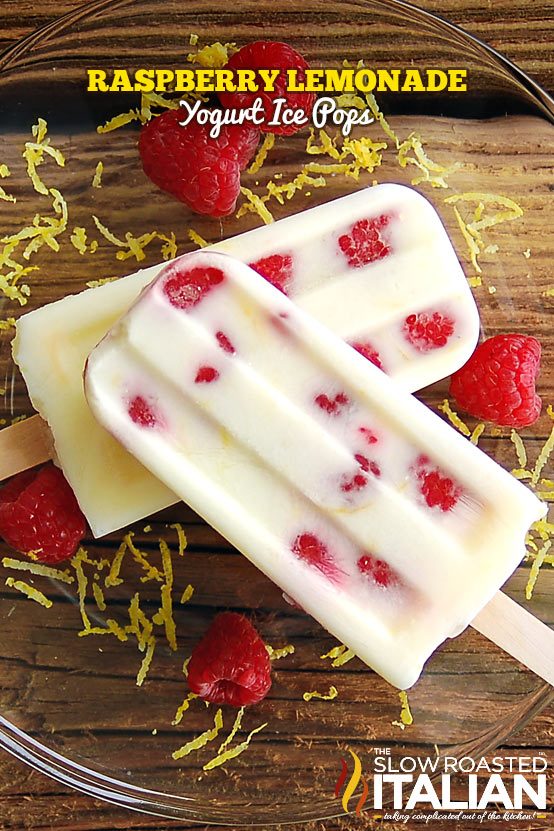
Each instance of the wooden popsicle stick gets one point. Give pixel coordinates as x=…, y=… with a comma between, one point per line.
x=519, y=633
x=24, y=445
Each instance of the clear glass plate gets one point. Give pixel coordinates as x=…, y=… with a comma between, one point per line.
x=70, y=706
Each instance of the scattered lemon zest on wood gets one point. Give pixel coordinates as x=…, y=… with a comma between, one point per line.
x=113, y=579
x=257, y=204
x=196, y=238
x=281, y=652
x=187, y=594
x=234, y=730
x=261, y=155
x=181, y=710
x=29, y=591
x=233, y=752
x=97, y=178
x=99, y=597
x=95, y=284
x=340, y=654
x=82, y=584
x=7, y=323
x=521, y=453
x=151, y=571
x=406, y=718
x=213, y=55
x=432, y=172
x=454, y=418
x=146, y=662
x=39, y=570
x=181, y=537
x=201, y=740
x=328, y=696
x=535, y=568
x=119, y=121
x=478, y=431
x=166, y=610
x=78, y=239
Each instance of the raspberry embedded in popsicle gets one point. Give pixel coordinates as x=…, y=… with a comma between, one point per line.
x=428, y=330
x=364, y=242
x=313, y=551
x=276, y=269
x=367, y=349
x=206, y=374
x=225, y=343
x=144, y=413
x=333, y=406
x=378, y=571
x=359, y=481
x=185, y=287
x=368, y=434
x=437, y=489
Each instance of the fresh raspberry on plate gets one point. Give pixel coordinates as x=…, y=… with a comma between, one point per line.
x=268, y=54
x=277, y=270
x=200, y=171
x=230, y=665
x=428, y=330
x=39, y=513
x=498, y=382
x=364, y=243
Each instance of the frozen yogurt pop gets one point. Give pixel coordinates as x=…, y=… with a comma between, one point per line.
x=376, y=267
x=366, y=508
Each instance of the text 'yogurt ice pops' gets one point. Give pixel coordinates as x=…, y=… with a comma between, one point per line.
x=360, y=503
x=376, y=266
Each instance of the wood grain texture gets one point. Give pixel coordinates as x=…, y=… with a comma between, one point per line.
x=525, y=32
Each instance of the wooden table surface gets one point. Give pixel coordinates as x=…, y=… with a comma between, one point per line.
x=521, y=29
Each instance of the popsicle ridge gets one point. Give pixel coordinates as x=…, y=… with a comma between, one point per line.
x=356, y=499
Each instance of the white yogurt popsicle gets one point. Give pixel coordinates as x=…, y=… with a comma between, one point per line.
x=358, y=501
x=376, y=267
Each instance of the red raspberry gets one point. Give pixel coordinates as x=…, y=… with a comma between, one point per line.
x=359, y=481
x=428, y=330
x=199, y=170
x=39, y=513
x=378, y=571
x=185, y=287
x=437, y=489
x=277, y=270
x=333, y=406
x=230, y=665
x=368, y=351
x=309, y=548
x=369, y=435
x=267, y=54
x=206, y=374
x=225, y=343
x=364, y=243
x=143, y=413
x=498, y=382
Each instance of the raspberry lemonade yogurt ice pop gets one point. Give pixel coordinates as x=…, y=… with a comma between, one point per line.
x=376, y=267
x=356, y=499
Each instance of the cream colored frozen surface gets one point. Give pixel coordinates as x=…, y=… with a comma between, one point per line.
x=373, y=514
x=414, y=269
